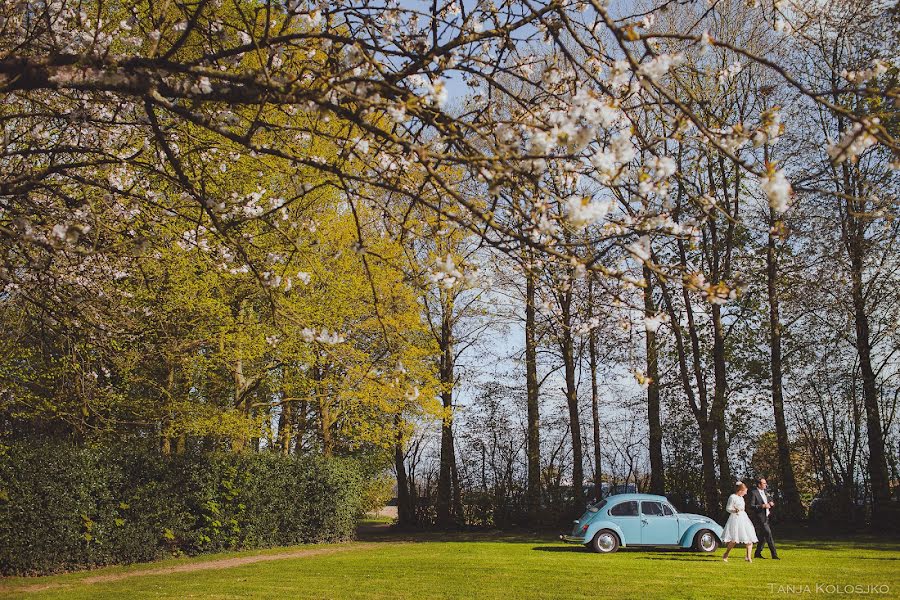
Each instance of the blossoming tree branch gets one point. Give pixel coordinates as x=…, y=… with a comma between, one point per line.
x=102, y=97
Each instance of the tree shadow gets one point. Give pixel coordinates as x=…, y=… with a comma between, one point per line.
x=681, y=559
x=878, y=545
x=546, y=540
x=390, y=533
x=676, y=554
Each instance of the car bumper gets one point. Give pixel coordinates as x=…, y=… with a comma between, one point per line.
x=571, y=539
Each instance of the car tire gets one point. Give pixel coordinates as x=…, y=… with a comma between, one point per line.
x=605, y=542
x=706, y=541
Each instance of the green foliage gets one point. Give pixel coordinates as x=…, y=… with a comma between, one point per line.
x=377, y=492
x=64, y=508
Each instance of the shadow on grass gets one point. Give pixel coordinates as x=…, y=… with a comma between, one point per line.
x=880, y=545
x=679, y=558
x=673, y=554
x=546, y=540
x=676, y=554
x=385, y=533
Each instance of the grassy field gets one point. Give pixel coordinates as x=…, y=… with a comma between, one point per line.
x=488, y=566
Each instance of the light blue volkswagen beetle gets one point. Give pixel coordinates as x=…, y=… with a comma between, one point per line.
x=642, y=520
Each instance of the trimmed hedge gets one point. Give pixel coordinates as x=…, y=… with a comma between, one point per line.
x=64, y=508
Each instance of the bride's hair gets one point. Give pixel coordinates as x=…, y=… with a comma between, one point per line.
x=738, y=486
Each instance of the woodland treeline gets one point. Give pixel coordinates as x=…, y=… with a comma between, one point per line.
x=499, y=253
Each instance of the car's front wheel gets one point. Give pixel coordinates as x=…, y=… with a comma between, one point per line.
x=705, y=541
x=605, y=542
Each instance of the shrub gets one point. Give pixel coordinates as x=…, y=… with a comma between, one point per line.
x=64, y=508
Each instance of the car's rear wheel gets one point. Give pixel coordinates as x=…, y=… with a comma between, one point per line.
x=605, y=542
x=705, y=541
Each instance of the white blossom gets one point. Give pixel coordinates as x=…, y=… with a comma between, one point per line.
x=623, y=148
x=663, y=167
x=730, y=72
x=605, y=163
x=660, y=65
x=582, y=211
x=309, y=334
x=330, y=337
x=435, y=92
x=770, y=128
x=879, y=67
x=446, y=274
x=640, y=248
x=777, y=188
x=853, y=143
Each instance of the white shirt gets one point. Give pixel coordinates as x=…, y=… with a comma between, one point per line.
x=765, y=499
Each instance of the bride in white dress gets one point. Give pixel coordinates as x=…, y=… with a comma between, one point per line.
x=738, y=529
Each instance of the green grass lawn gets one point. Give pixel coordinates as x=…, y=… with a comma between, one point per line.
x=497, y=566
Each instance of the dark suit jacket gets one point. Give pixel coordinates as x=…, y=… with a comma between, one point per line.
x=757, y=510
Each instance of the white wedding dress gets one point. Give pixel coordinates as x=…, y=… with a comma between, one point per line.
x=739, y=528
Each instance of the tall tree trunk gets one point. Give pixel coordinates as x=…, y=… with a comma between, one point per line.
x=240, y=385
x=325, y=428
x=657, y=480
x=457, y=487
x=532, y=392
x=405, y=512
x=595, y=397
x=166, y=445
x=853, y=231
x=325, y=416
x=718, y=247
x=708, y=468
x=701, y=409
x=708, y=461
x=717, y=411
x=568, y=352
x=788, y=485
x=285, y=425
x=239, y=443
x=878, y=472
x=301, y=424
x=445, y=474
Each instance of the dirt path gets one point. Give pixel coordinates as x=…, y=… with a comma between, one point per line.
x=207, y=565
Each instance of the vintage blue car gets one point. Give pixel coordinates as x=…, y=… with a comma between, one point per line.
x=642, y=520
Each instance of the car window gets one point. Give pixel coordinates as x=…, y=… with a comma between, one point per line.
x=625, y=509
x=652, y=509
x=667, y=510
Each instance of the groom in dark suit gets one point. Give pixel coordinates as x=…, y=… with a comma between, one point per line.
x=760, y=507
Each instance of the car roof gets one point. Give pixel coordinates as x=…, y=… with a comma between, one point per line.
x=653, y=497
